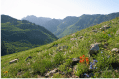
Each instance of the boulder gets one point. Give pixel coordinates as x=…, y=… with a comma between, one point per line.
x=94, y=49
x=115, y=50
x=81, y=37
x=13, y=61
x=51, y=72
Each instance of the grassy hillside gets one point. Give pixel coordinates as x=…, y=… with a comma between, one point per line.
x=59, y=54
x=20, y=35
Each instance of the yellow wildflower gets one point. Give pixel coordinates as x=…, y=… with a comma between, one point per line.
x=6, y=71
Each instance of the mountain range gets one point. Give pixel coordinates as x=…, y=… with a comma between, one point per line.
x=70, y=24
x=19, y=35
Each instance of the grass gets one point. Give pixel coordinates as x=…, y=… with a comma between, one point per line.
x=45, y=58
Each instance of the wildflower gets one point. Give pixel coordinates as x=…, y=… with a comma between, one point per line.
x=6, y=71
x=80, y=61
x=103, y=31
x=86, y=74
x=87, y=60
x=83, y=55
x=83, y=60
x=80, y=57
x=95, y=61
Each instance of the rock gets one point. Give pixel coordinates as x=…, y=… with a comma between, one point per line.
x=80, y=37
x=94, y=31
x=13, y=61
x=75, y=61
x=94, y=49
x=28, y=58
x=72, y=34
x=51, y=72
x=116, y=71
x=115, y=50
x=75, y=68
x=73, y=39
x=104, y=27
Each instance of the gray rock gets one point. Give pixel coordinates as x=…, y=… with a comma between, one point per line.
x=81, y=37
x=13, y=61
x=115, y=50
x=104, y=27
x=75, y=61
x=51, y=72
x=94, y=31
x=94, y=49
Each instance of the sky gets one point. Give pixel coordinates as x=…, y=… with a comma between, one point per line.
x=57, y=9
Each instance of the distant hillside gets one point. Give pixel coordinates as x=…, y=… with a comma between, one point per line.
x=19, y=35
x=37, y=20
x=73, y=24
x=83, y=22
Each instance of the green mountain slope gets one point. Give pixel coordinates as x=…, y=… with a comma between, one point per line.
x=21, y=35
x=72, y=24
x=84, y=22
x=60, y=59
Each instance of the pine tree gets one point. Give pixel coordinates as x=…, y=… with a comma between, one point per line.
x=3, y=49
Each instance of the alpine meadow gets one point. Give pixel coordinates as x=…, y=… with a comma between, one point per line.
x=59, y=39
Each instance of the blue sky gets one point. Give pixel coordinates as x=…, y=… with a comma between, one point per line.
x=57, y=9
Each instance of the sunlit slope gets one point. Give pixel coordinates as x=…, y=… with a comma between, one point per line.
x=59, y=55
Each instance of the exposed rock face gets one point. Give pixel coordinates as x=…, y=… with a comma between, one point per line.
x=13, y=61
x=115, y=50
x=94, y=49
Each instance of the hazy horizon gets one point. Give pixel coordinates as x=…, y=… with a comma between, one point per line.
x=57, y=9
